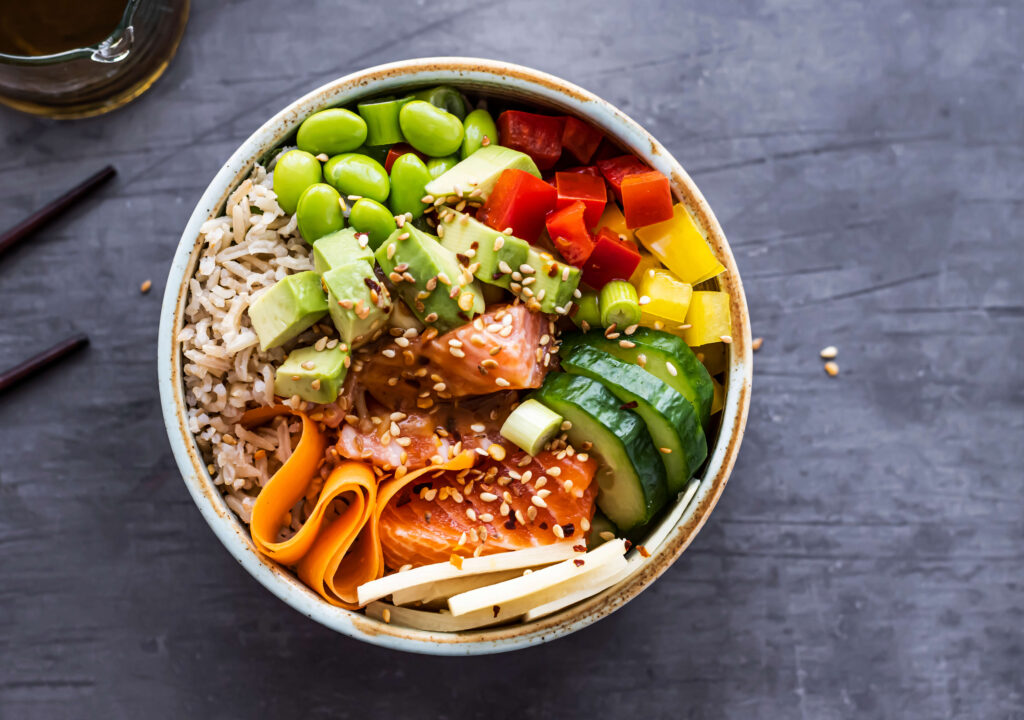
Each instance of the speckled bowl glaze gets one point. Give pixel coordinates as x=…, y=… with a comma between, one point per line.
x=677, y=527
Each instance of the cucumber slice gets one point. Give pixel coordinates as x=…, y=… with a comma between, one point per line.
x=660, y=350
x=600, y=524
x=631, y=476
x=671, y=420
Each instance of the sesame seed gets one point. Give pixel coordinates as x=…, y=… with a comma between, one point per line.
x=440, y=231
x=427, y=199
x=455, y=352
x=644, y=300
x=386, y=615
x=504, y=509
x=388, y=352
x=466, y=301
x=829, y=353
x=755, y=345
x=488, y=497
x=308, y=365
x=556, y=471
x=531, y=512
x=486, y=517
x=666, y=451
x=565, y=275
x=607, y=535
x=145, y=286
x=538, y=501
x=443, y=277
x=471, y=514
x=832, y=368
x=627, y=344
x=320, y=345
x=391, y=251
x=520, y=517
x=558, y=531
x=725, y=338
x=582, y=457
x=671, y=369
x=496, y=451
x=641, y=360
x=501, y=382
x=402, y=342
x=631, y=329
x=543, y=493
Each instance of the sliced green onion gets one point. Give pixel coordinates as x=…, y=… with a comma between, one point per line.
x=588, y=310
x=531, y=425
x=619, y=304
x=381, y=118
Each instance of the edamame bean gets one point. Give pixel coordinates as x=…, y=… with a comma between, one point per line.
x=331, y=132
x=319, y=212
x=445, y=97
x=295, y=171
x=478, y=125
x=439, y=166
x=430, y=129
x=370, y=217
x=353, y=174
x=381, y=117
x=409, y=177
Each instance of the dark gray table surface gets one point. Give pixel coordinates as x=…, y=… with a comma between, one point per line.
x=867, y=162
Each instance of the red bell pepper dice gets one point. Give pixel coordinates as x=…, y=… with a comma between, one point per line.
x=580, y=139
x=539, y=136
x=518, y=201
x=646, y=199
x=398, y=150
x=587, y=189
x=615, y=169
x=568, y=230
x=612, y=259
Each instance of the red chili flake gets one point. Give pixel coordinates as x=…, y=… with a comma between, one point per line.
x=578, y=562
x=496, y=609
x=628, y=406
x=579, y=548
x=569, y=529
x=643, y=551
x=511, y=524
x=420, y=487
x=543, y=526
x=628, y=545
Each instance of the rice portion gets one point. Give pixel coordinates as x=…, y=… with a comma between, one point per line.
x=244, y=252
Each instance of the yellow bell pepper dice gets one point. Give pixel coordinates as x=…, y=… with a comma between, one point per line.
x=717, y=397
x=664, y=296
x=679, y=244
x=647, y=262
x=613, y=219
x=708, y=317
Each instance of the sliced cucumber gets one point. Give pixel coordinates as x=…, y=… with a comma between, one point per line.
x=663, y=353
x=631, y=476
x=600, y=524
x=670, y=418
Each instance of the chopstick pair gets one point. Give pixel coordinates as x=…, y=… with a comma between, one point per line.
x=19, y=233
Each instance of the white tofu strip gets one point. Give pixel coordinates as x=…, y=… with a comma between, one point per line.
x=429, y=574
x=436, y=621
x=444, y=589
x=539, y=587
x=589, y=585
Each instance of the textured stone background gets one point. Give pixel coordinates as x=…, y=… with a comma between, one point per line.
x=866, y=161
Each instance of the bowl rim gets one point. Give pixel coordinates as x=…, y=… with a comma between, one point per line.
x=668, y=539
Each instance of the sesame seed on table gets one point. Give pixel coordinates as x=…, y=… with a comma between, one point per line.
x=865, y=162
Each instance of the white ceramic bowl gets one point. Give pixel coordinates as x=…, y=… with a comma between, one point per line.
x=679, y=525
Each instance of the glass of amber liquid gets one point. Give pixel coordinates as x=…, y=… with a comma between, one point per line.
x=78, y=58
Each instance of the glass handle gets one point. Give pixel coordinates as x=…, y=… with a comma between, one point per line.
x=116, y=47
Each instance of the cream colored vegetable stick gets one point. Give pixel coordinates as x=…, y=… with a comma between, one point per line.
x=590, y=585
x=528, y=585
x=444, y=589
x=532, y=557
x=435, y=621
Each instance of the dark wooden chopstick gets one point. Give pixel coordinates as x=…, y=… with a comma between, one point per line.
x=30, y=367
x=54, y=209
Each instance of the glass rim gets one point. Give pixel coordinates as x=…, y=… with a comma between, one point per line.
x=77, y=53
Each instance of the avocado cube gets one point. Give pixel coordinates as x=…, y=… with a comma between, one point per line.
x=553, y=289
x=287, y=309
x=358, y=302
x=496, y=256
x=314, y=375
x=428, y=277
x=480, y=171
x=340, y=248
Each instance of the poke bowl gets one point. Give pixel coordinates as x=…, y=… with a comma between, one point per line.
x=454, y=357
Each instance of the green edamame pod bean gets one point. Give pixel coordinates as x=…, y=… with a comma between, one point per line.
x=295, y=171
x=319, y=212
x=445, y=97
x=331, y=132
x=381, y=118
x=478, y=125
x=409, y=177
x=439, y=166
x=353, y=174
x=370, y=217
x=430, y=129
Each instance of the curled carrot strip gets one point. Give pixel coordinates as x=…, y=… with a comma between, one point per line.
x=332, y=555
x=285, y=488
